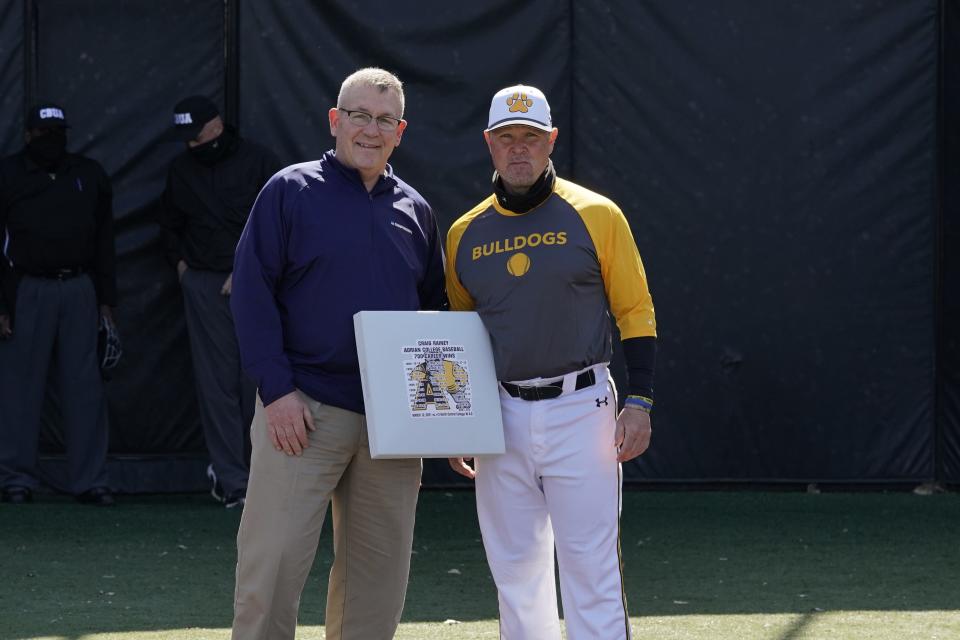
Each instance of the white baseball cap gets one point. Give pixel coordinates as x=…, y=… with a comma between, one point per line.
x=520, y=104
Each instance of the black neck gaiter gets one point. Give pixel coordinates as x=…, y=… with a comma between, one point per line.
x=212, y=152
x=538, y=192
x=48, y=150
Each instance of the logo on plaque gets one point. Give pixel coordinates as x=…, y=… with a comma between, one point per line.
x=438, y=380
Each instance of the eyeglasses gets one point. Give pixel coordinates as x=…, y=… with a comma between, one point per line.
x=362, y=119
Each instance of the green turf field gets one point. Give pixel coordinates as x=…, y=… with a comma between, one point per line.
x=700, y=566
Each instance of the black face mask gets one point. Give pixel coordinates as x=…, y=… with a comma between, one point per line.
x=212, y=152
x=49, y=149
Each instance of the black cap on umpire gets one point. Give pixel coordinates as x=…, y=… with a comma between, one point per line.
x=189, y=117
x=45, y=115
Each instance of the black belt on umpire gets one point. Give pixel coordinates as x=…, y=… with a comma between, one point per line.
x=63, y=273
x=548, y=391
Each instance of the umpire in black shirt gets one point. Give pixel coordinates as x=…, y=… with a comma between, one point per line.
x=58, y=279
x=210, y=189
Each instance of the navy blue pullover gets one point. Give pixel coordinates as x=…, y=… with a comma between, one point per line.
x=316, y=249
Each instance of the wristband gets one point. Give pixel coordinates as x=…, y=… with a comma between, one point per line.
x=639, y=402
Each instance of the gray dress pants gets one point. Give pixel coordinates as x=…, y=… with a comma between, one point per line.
x=56, y=325
x=225, y=394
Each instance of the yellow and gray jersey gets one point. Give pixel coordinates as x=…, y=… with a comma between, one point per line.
x=544, y=282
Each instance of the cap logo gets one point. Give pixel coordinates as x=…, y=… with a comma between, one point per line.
x=519, y=102
x=51, y=112
x=182, y=118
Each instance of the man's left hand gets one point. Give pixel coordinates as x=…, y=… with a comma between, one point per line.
x=633, y=433
x=106, y=313
x=460, y=466
x=227, y=285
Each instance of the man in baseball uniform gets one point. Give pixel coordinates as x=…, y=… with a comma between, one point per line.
x=545, y=262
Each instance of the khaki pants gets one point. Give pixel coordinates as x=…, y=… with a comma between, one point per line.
x=374, y=504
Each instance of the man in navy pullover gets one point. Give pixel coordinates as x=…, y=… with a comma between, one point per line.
x=324, y=240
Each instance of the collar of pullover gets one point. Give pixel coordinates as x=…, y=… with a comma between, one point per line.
x=384, y=182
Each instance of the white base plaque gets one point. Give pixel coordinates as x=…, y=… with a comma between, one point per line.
x=429, y=384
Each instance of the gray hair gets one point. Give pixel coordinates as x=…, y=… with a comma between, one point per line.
x=372, y=77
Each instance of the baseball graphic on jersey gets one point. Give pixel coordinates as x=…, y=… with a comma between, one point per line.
x=518, y=264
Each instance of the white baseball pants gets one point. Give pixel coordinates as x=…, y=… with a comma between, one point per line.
x=557, y=485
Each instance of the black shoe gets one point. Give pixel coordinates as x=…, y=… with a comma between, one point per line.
x=98, y=496
x=17, y=495
x=236, y=499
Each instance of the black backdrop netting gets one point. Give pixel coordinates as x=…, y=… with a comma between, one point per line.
x=777, y=165
x=949, y=418
x=11, y=75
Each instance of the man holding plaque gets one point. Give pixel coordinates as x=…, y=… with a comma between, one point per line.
x=326, y=239
x=544, y=262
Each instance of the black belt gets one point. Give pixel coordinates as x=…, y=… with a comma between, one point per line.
x=548, y=391
x=64, y=273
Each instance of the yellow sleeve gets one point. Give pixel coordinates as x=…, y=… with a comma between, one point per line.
x=624, y=278
x=460, y=299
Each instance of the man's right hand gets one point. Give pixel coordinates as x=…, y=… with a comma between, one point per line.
x=6, y=330
x=460, y=466
x=288, y=419
x=181, y=269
